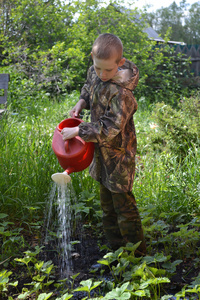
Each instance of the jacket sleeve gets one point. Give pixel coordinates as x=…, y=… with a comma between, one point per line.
x=121, y=107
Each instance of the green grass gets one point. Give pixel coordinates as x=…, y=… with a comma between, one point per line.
x=27, y=159
x=27, y=163
x=166, y=187
x=161, y=179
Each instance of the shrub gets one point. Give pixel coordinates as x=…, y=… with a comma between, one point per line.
x=178, y=129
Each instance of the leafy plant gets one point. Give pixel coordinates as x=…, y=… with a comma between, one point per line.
x=178, y=129
x=119, y=293
x=134, y=276
x=11, y=239
x=88, y=286
x=39, y=272
x=5, y=282
x=89, y=206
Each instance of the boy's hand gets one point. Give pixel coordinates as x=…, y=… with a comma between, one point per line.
x=69, y=133
x=74, y=113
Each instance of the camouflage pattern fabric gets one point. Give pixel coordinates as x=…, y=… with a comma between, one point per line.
x=121, y=220
x=112, y=106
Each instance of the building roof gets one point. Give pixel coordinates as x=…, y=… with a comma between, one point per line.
x=152, y=34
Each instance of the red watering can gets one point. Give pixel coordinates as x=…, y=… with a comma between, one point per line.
x=74, y=155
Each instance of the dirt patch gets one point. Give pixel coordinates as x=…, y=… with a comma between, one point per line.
x=87, y=253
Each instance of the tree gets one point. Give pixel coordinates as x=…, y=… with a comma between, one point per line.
x=172, y=17
x=192, y=25
x=184, y=22
x=34, y=23
x=55, y=57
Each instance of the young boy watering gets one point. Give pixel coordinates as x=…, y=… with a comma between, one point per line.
x=108, y=95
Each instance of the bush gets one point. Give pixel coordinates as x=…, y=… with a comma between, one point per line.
x=61, y=66
x=178, y=130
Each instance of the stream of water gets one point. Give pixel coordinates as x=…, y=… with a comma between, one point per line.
x=58, y=223
x=64, y=229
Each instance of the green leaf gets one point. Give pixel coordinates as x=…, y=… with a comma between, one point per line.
x=65, y=297
x=82, y=289
x=103, y=262
x=195, y=290
x=2, y=215
x=87, y=283
x=24, y=260
x=39, y=278
x=95, y=284
x=48, y=270
x=39, y=265
x=44, y=296
x=74, y=276
x=24, y=295
x=139, y=293
x=119, y=293
x=13, y=283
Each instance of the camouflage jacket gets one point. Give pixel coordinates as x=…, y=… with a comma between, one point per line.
x=112, y=129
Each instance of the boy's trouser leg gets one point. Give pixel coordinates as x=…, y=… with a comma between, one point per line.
x=129, y=219
x=121, y=219
x=110, y=222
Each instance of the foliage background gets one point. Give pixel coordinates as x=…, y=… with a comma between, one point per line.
x=49, y=44
x=45, y=47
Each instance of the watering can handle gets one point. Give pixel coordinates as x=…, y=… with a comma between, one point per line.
x=66, y=145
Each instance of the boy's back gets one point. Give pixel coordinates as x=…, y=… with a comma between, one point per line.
x=112, y=106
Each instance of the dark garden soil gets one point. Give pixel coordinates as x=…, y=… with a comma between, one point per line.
x=88, y=252
x=84, y=254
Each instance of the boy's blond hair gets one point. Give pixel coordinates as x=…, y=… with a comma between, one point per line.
x=106, y=45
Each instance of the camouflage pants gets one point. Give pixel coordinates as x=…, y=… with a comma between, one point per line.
x=121, y=219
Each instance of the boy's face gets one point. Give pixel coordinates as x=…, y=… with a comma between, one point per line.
x=106, y=69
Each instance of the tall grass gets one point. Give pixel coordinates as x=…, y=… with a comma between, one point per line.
x=168, y=185
x=164, y=179
x=27, y=159
x=27, y=163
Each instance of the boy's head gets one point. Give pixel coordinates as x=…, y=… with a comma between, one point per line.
x=107, y=52
x=107, y=45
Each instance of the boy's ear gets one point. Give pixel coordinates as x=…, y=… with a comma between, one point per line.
x=122, y=61
x=92, y=55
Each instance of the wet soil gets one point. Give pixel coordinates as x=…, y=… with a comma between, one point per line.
x=84, y=254
x=186, y=272
x=87, y=253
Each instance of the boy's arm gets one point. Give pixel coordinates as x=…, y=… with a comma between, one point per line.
x=83, y=103
x=80, y=105
x=85, y=91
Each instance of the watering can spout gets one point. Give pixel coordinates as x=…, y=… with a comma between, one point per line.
x=61, y=178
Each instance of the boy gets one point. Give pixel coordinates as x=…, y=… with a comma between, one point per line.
x=108, y=95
